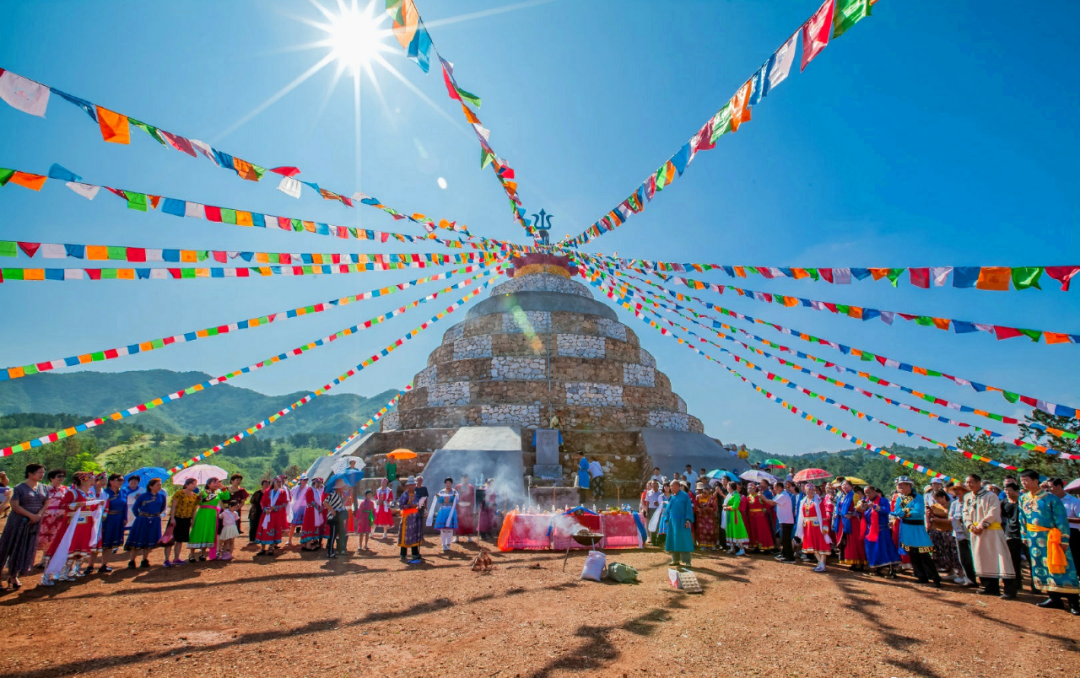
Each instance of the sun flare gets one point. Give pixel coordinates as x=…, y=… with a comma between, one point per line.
x=354, y=35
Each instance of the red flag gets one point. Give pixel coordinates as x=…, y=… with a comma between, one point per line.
x=920, y=277
x=816, y=32
x=1006, y=332
x=286, y=171
x=178, y=142
x=30, y=248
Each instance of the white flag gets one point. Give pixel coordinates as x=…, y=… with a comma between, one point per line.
x=780, y=63
x=939, y=274
x=26, y=95
x=88, y=191
x=53, y=251
x=194, y=209
x=290, y=187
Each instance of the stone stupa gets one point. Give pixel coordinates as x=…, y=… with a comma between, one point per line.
x=541, y=345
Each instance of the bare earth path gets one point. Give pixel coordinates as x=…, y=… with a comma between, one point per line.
x=304, y=616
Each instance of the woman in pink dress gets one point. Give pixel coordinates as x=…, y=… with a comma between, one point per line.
x=384, y=497
x=54, y=512
x=813, y=527
x=364, y=520
x=757, y=521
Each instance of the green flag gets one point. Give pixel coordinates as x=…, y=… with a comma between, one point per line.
x=486, y=157
x=847, y=14
x=5, y=176
x=468, y=96
x=136, y=201
x=1024, y=277
x=721, y=123
x=149, y=129
x=8, y=249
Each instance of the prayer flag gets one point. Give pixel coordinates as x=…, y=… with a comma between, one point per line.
x=740, y=105
x=114, y=126
x=1063, y=274
x=721, y=122
x=32, y=181
x=179, y=143
x=849, y=13
x=24, y=94
x=62, y=173
x=81, y=103
x=1024, y=277
x=780, y=65
x=965, y=276
x=88, y=191
x=920, y=277
x=994, y=278
x=290, y=187
x=815, y=32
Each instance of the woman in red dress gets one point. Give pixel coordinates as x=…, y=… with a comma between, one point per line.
x=384, y=496
x=72, y=540
x=757, y=521
x=274, y=521
x=54, y=512
x=314, y=522
x=813, y=526
x=466, y=509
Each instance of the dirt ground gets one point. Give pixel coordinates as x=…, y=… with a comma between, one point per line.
x=301, y=615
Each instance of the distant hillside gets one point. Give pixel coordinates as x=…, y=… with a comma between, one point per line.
x=214, y=410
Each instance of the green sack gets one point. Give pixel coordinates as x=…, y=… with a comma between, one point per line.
x=624, y=574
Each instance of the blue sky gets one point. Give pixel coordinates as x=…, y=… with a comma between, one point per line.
x=927, y=135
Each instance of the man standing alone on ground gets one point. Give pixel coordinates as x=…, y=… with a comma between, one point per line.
x=680, y=522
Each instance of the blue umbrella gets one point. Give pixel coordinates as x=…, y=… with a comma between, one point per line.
x=351, y=477
x=720, y=473
x=146, y=473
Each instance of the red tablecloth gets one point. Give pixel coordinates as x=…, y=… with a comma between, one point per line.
x=541, y=532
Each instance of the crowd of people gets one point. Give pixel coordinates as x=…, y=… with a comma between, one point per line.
x=971, y=534
x=977, y=535
x=97, y=520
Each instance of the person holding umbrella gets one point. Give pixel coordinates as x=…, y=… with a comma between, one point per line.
x=204, y=526
x=145, y=532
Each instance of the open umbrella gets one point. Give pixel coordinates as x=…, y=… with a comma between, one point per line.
x=401, y=453
x=719, y=473
x=855, y=481
x=774, y=463
x=201, y=473
x=351, y=476
x=757, y=476
x=1073, y=486
x=812, y=474
x=146, y=473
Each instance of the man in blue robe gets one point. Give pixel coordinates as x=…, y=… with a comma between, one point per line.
x=1045, y=529
x=679, y=515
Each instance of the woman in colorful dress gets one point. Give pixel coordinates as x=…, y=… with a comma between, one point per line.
x=274, y=522
x=910, y=511
x=71, y=543
x=881, y=552
x=182, y=508
x=364, y=521
x=18, y=545
x=759, y=530
x=705, y=518
x=658, y=524
x=946, y=555
x=813, y=526
x=384, y=497
x=847, y=527
x=298, y=506
x=204, y=526
x=146, y=530
x=412, y=524
x=313, y=517
x=54, y=512
x=443, y=513
x=112, y=523
x=734, y=522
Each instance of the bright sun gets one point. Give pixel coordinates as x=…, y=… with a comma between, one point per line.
x=354, y=35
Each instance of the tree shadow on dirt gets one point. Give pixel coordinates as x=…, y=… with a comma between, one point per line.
x=599, y=650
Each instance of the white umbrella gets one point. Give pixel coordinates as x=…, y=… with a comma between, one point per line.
x=201, y=473
x=1074, y=486
x=757, y=476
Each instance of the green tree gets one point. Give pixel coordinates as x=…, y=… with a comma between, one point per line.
x=159, y=437
x=959, y=467
x=281, y=460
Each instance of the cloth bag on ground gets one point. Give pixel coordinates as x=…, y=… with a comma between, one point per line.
x=622, y=573
x=595, y=564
